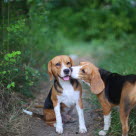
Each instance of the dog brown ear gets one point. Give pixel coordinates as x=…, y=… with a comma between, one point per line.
x=97, y=85
x=49, y=70
x=72, y=62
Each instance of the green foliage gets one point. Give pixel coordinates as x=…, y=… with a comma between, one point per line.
x=93, y=19
x=14, y=75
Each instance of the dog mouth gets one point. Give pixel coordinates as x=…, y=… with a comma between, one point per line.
x=66, y=78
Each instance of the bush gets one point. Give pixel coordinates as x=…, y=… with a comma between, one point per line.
x=14, y=75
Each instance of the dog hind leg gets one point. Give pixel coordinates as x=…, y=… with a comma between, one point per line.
x=125, y=108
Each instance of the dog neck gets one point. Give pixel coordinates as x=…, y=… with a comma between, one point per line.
x=60, y=84
x=104, y=75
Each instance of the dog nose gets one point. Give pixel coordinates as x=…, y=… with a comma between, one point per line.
x=66, y=71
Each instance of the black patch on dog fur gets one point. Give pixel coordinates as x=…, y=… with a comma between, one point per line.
x=114, y=84
x=56, y=85
x=72, y=81
x=48, y=102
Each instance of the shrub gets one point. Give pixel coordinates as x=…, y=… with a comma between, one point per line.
x=14, y=75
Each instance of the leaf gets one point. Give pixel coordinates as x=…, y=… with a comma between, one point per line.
x=4, y=72
x=9, y=55
x=13, y=84
x=18, y=52
x=6, y=58
x=31, y=83
x=8, y=86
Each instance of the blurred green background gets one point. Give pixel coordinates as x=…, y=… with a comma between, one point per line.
x=34, y=31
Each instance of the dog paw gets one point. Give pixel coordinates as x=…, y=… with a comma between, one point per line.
x=102, y=133
x=82, y=130
x=59, y=129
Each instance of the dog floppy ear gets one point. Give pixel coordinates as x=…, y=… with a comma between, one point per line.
x=97, y=85
x=72, y=62
x=49, y=70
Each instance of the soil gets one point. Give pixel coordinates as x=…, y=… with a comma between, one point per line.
x=93, y=117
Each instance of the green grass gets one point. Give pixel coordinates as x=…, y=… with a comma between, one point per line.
x=113, y=55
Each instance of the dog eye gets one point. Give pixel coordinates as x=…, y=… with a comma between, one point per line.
x=57, y=64
x=83, y=70
x=68, y=63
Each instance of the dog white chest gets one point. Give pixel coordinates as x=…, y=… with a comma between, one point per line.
x=69, y=97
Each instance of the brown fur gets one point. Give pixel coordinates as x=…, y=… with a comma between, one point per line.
x=92, y=76
x=54, y=70
x=49, y=116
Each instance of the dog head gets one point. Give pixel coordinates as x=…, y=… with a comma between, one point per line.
x=89, y=73
x=60, y=66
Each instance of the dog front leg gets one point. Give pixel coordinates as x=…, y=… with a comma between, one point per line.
x=59, y=125
x=107, y=123
x=106, y=106
x=82, y=127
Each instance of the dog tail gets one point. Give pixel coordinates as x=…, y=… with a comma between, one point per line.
x=33, y=114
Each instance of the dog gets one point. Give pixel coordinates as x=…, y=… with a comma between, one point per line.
x=65, y=94
x=112, y=89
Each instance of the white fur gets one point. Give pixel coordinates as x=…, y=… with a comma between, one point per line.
x=28, y=112
x=62, y=74
x=107, y=123
x=75, y=72
x=82, y=127
x=59, y=125
x=102, y=133
x=69, y=97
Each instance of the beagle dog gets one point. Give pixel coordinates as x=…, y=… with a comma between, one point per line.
x=65, y=94
x=112, y=89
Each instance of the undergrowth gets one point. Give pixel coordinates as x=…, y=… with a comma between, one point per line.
x=12, y=122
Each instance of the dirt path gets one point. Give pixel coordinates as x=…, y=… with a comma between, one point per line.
x=93, y=118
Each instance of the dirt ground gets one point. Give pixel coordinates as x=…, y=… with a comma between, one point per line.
x=93, y=118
